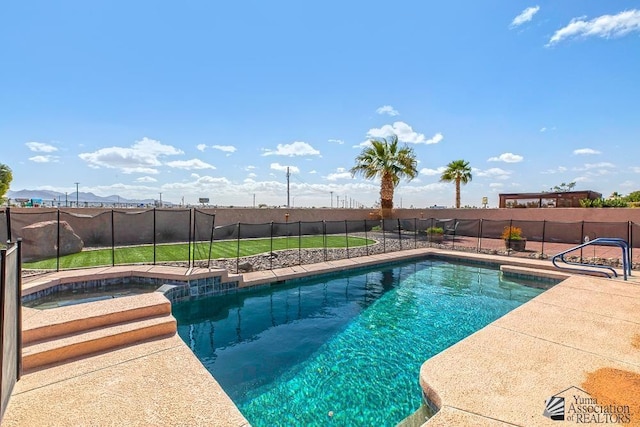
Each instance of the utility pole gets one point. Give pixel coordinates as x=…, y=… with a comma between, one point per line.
x=77, y=194
x=254, y=200
x=288, y=175
x=160, y=200
x=331, y=198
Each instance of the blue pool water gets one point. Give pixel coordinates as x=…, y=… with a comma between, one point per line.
x=351, y=345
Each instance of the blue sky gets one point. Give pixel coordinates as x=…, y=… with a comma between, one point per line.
x=215, y=99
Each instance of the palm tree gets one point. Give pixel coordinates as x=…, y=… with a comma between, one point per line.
x=384, y=159
x=5, y=179
x=457, y=171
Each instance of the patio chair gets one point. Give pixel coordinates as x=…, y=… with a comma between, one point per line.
x=450, y=230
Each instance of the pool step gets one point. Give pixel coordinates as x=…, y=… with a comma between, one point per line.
x=60, y=334
x=92, y=341
x=62, y=321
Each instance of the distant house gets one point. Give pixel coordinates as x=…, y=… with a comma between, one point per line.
x=564, y=199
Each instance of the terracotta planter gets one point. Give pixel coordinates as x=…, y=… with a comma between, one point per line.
x=435, y=237
x=515, y=245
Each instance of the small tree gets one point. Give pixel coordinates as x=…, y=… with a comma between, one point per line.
x=5, y=179
x=634, y=196
x=563, y=188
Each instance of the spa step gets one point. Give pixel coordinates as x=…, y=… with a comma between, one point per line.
x=56, y=322
x=83, y=343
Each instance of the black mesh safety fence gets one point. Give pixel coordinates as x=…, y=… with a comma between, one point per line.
x=463, y=234
x=10, y=322
x=356, y=240
x=53, y=239
x=592, y=230
x=225, y=232
x=335, y=240
x=133, y=237
x=173, y=233
x=375, y=236
x=38, y=230
x=428, y=234
x=313, y=242
x=634, y=242
x=531, y=242
x=490, y=236
x=560, y=237
x=254, y=241
x=95, y=232
x=202, y=239
x=4, y=227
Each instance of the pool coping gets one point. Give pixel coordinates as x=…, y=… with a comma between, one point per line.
x=26, y=396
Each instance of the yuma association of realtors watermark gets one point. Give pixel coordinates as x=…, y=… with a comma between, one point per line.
x=580, y=407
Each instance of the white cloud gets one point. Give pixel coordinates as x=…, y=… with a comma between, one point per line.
x=141, y=157
x=387, y=109
x=559, y=169
x=525, y=16
x=341, y=173
x=146, y=179
x=190, y=164
x=636, y=169
x=496, y=185
x=494, y=173
x=404, y=132
x=44, y=159
x=591, y=166
x=252, y=175
x=338, y=175
x=507, y=158
x=586, y=151
x=432, y=172
x=543, y=129
x=204, y=185
x=337, y=141
x=313, y=172
x=249, y=168
x=604, y=26
x=225, y=148
x=283, y=168
x=297, y=148
x=201, y=147
x=40, y=147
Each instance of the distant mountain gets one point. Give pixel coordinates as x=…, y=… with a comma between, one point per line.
x=48, y=196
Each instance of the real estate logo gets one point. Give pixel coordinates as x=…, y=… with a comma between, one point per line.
x=577, y=406
x=554, y=408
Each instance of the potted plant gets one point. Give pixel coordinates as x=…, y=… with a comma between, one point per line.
x=435, y=234
x=513, y=238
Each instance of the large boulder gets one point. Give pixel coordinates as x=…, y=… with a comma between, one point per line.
x=40, y=240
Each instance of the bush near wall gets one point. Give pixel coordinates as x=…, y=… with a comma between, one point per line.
x=604, y=203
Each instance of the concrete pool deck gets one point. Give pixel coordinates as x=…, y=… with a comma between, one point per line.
x=582, y=335
x=496, y=376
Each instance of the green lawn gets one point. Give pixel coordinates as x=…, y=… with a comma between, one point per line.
x=200, y=251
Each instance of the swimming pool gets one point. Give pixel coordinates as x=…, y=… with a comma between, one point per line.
x=343, y=349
